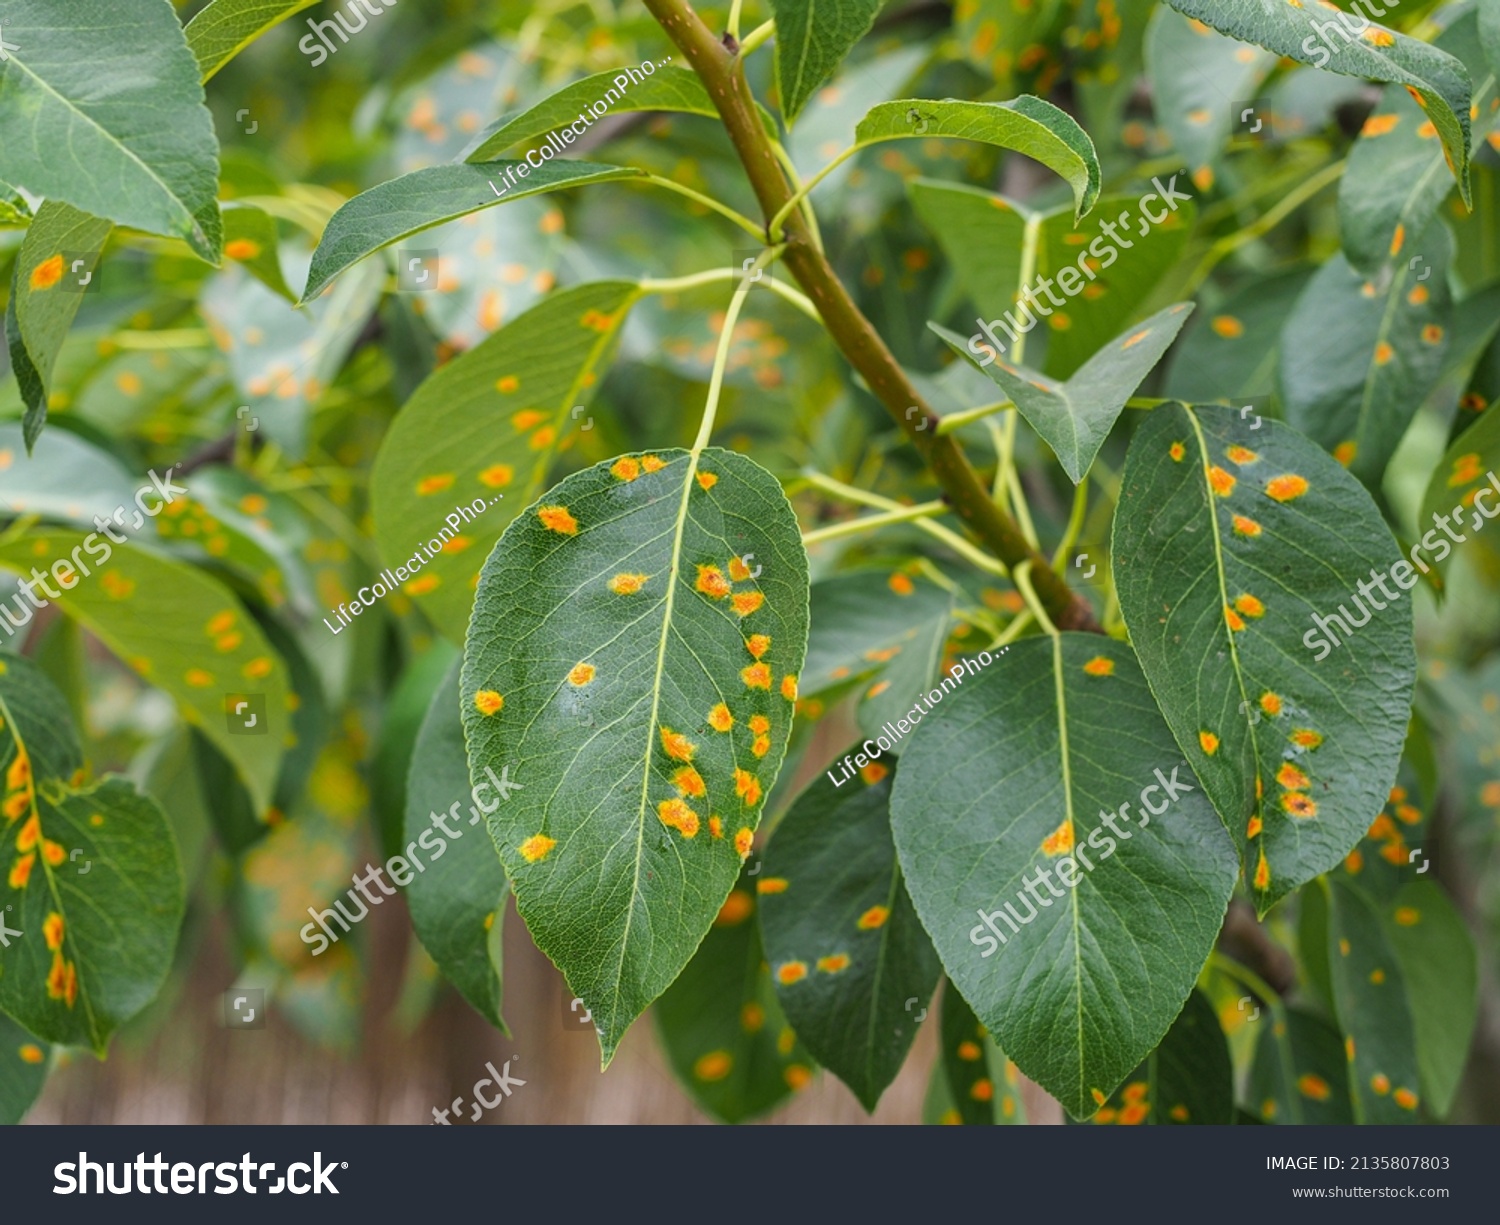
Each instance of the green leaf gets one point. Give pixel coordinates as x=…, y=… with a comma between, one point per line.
x=979, y=1083
x=458, y=900
x=179, y=629
x=402, y=207
x=1187, y=1080
x=857, y=627
x=224, y=28
x=103, y=110
x=66, y=478
x=1237, y=533
x=614, y=629
x=1313, y=34
x=1440, y=972
x=405, y=710
x=1017, y=768
x=1369, y=998
x=1074, y=418
x=722, y=1027
x=812, y=39
x=94, y=946
x=44, y=300
x=250, y=240
x=850, y=961
x=1233, y=352
x=1397, y=174
x=1197, y=77
x=14, y=211
x=986, y=236
x=486, y=427
x=1489, y=31
x=1300, y=1075
x=24, y=1064
x=1469, y=468
x=1028, y=125
x=668, y=89
x=1359, y=356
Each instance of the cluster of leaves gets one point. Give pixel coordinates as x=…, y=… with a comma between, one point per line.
x=1260, y=401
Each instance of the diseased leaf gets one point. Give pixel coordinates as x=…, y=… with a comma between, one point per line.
x=1463, y=492
x=250, y=239
x=1188, y=1079
x=1300, y=1075
x=1440, y=973
x=1074, y=418
x=224, y=28
x=1313, y=34
x=1359, y=356
x=66, y=478
x=1232, y=354
x=457, y=896
x=722, y=1027
x=1028, y=125
x=484, y=429
x=850, y=961
x=812, y=39
x=1398, y=173
x=1369, y=998
x=1103, y=281
x=24, y=1064
x=92, y=947
x=178, y=629
x=44, y=298
x=1197, y=76
x=616, y=631
x=402, y=207
x=979, y=1084
x=406, y=708
x=1237, y=532
x=668, y=89
x=1033, y=765
x=101, y=108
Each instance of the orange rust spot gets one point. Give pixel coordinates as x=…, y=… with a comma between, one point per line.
x=789, y=687
x=1228, y=327
x=1250, y=606
x=1398, y=239
x=627, y=584
x=1100, y=665
x=1060, y=840
x=713, y=1066
x=675, y=814
x=1292, y=778
x=756, y=676
x=759, y=724
x=1286, y=487
x=707, y=479
x=1135, y=340
x=873, y=772
x=48, y=273
x=873, y=918
x=900, y=584
x=20, y=874
x=1418, y=295
x=53, y=852
x=488, y=702
x=1099, y=1098
x=1354, y=862
x=1253, y=829
x=626, y=469
x=652, y=463
x=497, y=476
x=1408, y=814
x=677, y=746
x=1270, y=703
x=747, y=787
x=1379, y=125
x=435, y=484
x=507, y=383
x=752, y=1017
x=1383, y=353
x=1345, y=452
x=712, y=583
x=1177, y=451
x=1208, y=742
x=1235, y=621
x=738, y=907
x=1314, y=1087
x=557, y=519
x=1262, y=873
x=1222, y=483
x=743, y=840
x=527, y=418
x=761, y=746
x=536, y=847
x=746, y=602
x=581, y=675
x=738, y=570
x=30, y=835
x=1407, y=916
x=30, y=1053
x=1246, y=527
x=716, y=826
x=1241, y=455
x=720, y=719
x=771, y=884
x=758, y=644
x=791, y=972
x=1405, y=1098
x=1299, y=805
x=688, y=781
x=1307, y=738
x=834, y=963
x=1432, y=334
x=797, y=1077
x=982, y=1090
x=52, y=931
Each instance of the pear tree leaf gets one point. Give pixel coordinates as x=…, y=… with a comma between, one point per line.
x=402, y=207
x=1026, y=124
x=1238, y=532
x=638, y=685
x=101, y=108
x=1300, y=1075
x=1232, y=354
x=1359, y=355
x=250, y=239
x=93, y=946
x=457, y=898
x=480, y=433
x=850, y=961
x=1032, y=768
x=724, y=1032
x=1464, y=492
x=1075, y=417
x=24, y=1064
x=1354, y=46
x=224, y=28
x=812, y=39
x=979, y=1085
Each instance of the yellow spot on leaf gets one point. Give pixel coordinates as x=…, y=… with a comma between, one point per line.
x=626, y=469
x=1407, y=916
x=746, y=602
x=1222, y=483
x=488, y=702
x=627, y=584
x=1405, y=1098
x=747, y=787
x=720, y=719
x=873, y=772
x=1253, y=829
x=1241, y=456
x=1292, y=778
x=48, y=273
x=743, y=840
x=1383, y=353
x=738, y=907
x=789, y=688
x=873, y=918
x=707, y=479
x=1251, y=607
x=688, y=781
x=1313, y=1087
x=1177, y=451
x=900, y=584
x=834, y=964
x=1100, y=665
x=581, y=675
x=713, y=1066
x=756, y=676
x=435, y=484
x=771, y=884
x=1262, y=873
x=1228, y=327
x=1379, y=125
x=507, y=383
x=557, y=519
x=791, y=972
x=677, y=815
x=1060, y=840
x=1208, y=742
x=497, y=476
x=30, y=1052
x=1286, y=487
x=1307, y=738
x=712, y=583
x=1299, y=805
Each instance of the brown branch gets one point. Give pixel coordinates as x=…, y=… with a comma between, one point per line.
x=723, y=76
